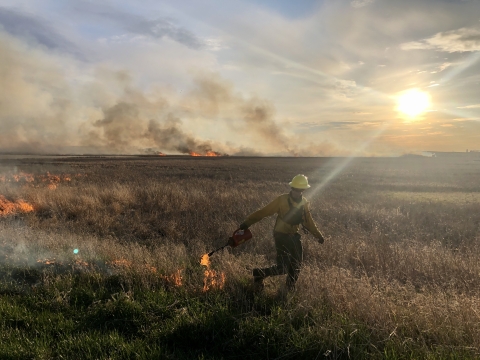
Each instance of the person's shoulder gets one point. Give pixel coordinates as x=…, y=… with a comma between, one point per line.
x=282, y=197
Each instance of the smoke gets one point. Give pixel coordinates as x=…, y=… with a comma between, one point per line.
x=52, y=104
x=259, y=117
x=172, y=137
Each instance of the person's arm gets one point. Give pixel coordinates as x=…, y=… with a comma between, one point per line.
x=270, y=209
x=310, y=224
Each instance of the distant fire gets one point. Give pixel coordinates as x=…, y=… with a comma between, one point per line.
x=212, y=153
x=208, y=153
x=212, y=278
x=11, y=207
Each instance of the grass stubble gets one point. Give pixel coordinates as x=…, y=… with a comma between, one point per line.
x=398, y=276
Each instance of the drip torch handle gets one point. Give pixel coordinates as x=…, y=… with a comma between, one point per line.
x=214, y=251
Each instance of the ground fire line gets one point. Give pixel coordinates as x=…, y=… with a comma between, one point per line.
x=35, y=180
x=8, y=207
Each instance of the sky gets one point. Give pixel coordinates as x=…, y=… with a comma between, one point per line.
x=251, y=77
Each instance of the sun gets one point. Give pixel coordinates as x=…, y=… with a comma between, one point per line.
x=413, y=102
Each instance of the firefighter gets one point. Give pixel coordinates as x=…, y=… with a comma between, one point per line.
x=292, y=210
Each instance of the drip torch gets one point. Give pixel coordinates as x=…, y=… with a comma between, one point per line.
x=239, y=237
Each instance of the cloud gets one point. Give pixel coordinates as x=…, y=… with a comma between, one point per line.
x=164, y=27
x=460, y=40
x=315, y=126
x=158, y=28
x=441, y=67
x=34, y=29
x=476, y=106
x=360, y=3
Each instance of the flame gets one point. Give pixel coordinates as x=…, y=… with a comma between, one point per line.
x=205, y=261
x=81, y=262
x=152, y=269
x=47, y=261
x=212, y=279
x=24, y=207
x=33, y=180
x=26, y=177
x=161, y=154
x=208, y=153
x=174, y=279
x=121, y=262
x=77, y=262
x=212, y=153
x=10, y=207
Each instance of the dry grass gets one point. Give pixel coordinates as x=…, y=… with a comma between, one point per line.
x=400, y=264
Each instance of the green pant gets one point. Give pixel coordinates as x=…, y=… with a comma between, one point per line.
x=289, y=258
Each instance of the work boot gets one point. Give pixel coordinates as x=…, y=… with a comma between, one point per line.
x=258, y=277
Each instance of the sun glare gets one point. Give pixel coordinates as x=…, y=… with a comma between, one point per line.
x=413, y=102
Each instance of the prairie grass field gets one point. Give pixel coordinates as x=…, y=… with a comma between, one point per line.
x=100, y=259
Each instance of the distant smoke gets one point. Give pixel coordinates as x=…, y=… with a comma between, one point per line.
x=258, y=116
x=44, y=111
x=170, y=136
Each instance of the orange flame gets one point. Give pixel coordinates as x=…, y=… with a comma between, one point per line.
x=208, y=153
x=32, y=180
x=80, y=262
x=47, y=261
x=175, y=279
x=9, y=207
x=26, y=177
x=121, y=263
x=212, y=153
x=24, y=207
x=212, y=279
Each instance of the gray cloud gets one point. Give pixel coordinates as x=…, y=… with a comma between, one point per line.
x=460, y=40
x=324, y=126
x=157, y=28
x=164, y=27
x=34, y=29
x=361, y=3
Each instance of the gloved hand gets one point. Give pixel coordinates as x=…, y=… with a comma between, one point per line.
x=243, y=226
x=321, y=240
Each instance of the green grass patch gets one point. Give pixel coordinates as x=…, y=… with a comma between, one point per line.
x=93, y=316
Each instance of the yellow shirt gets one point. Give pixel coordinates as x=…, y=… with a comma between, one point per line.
x=280, y=206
